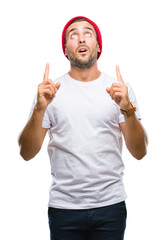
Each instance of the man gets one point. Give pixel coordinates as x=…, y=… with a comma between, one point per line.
x=86, y=113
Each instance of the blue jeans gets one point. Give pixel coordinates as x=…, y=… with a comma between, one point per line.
x=104, y=223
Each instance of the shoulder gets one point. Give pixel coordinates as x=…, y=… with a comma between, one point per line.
x=60, y=79
x=108, y=79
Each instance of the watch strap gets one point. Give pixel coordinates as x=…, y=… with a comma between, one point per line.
x=130, y=111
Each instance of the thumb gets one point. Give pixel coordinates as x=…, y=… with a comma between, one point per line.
x=108, y=90
x=57, y=85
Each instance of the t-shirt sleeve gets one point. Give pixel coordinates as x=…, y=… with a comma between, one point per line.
x=133, y=99
x=46, y=121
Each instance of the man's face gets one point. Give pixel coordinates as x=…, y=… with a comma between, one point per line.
x=81, y=44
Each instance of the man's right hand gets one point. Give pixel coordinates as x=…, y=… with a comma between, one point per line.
x=46, y=91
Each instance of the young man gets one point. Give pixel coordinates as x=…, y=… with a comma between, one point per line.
x=86, y=113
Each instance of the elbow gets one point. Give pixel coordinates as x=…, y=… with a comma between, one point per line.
x=141, y=154
x=143, y=151
x=24, y=156
x=22, y=151
x=25, y=153
x=28, y=155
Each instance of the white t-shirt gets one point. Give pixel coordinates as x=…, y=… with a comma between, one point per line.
x=85, y=144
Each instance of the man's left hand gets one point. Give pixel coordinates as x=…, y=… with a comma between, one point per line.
x=119, y=92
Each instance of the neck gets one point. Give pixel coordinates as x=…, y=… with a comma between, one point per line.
x=84, y=75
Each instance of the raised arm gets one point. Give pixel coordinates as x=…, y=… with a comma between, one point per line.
x=32, y=136
x=133, y=131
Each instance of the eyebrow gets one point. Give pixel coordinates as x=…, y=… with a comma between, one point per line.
x=73, y=29
x=89, y=29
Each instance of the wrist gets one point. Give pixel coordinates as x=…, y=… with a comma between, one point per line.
x=130, y=110
x=39, y=109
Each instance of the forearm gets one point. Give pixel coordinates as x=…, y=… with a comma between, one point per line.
x=32, y=136
x=30, y=140
x=135, y=137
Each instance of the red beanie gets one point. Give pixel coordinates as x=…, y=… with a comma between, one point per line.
x=99, y=37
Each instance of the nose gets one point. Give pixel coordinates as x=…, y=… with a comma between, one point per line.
x=81, y=39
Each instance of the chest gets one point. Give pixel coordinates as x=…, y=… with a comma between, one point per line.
x=82, y=106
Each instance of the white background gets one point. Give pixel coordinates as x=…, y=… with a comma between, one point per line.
x=133, y=37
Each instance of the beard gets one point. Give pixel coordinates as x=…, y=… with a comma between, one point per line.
x=82, y=62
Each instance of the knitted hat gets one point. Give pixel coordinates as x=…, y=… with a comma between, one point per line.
x=99, y=37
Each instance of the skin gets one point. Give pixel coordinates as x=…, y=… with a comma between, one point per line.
x=132, y=129
x=73, y=44
x=77, y=37
x=32, y=136
x=81, y=36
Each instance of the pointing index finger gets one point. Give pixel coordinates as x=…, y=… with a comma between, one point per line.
x=119, y=76
x=46, y=73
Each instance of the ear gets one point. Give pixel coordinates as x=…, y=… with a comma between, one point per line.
x=65, y=51
x=98, y=48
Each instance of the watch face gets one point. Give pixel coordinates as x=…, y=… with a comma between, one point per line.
x=132, y=104
x=130, y=111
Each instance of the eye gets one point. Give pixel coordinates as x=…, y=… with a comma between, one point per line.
x=88, y=34
x=74, y=35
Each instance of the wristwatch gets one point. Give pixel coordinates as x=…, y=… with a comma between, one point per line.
x=129, y=111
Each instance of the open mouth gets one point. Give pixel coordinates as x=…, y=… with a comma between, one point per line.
x=82, y=50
